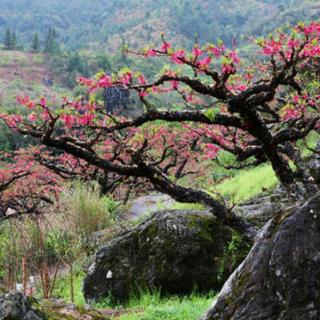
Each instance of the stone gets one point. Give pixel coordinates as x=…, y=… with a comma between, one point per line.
x=280, y=278
x=314, y=167
x=57, y=309
x=172, y=250
x=16, y=306
x=263, y=207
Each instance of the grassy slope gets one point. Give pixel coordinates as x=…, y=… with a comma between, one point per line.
x=22, y=73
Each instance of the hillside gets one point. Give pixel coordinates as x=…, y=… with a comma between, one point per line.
x=109, y=23
x=26, y=73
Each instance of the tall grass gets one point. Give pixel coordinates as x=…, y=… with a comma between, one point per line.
x=62, y=287
x=86, y=210
x=153, y=307
x=247, y=183
x=146, y=306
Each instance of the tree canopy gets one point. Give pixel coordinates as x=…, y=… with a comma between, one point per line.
x=257, y=112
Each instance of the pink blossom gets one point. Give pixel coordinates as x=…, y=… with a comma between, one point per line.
x=105, y=81
x=17, y=118
x=155, y=89
x=205, y=62
x=68, y=120
x=196, y=51
x=45, y=115
x=43, y=101
x=142, y=80
x=292, y=43
x=151, y=53
x=143, y=93
x=189, y=98
x=85, y=119
x=234, y=57
x=23, y=100
x=85, y=81
x=165, y=46
x=291, y=114
x=126, y=78
x=174, y=85
x=227, y=69
x=272, y=47
x=178, y=56
x=216, y=51
x=211, y=151
x=32, y=117
x=296, y=99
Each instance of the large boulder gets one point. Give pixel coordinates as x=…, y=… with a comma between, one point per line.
x=280, y=278
x=173, y=250
x=16, y=306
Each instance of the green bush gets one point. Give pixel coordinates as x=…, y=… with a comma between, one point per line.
x=86, y=210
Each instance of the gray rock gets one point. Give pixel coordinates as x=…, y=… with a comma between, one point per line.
x=314, y=167
x=280, y=278
x=151, y=203
x=16, y=306
x=263, y=207
x=173, y=250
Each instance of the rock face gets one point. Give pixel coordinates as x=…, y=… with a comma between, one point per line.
x=314, y=166
x=263, y=207
x=173, y=250
x=15, y=306
x=280, y=278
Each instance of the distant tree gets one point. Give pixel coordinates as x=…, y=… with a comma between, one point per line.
x=103, y=62
x=51, y=45
x=13, y=40
x=7, y=40
x=35, y=43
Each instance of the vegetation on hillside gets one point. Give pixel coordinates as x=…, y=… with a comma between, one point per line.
x=111, y=23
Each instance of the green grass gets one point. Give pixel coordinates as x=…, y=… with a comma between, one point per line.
x=147, y=306
x=174, y=308
x=247, y=183
x=151, y=306
x=187, y=206
x=62, y=288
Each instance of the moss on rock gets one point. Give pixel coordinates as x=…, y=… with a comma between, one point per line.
x=175, y=251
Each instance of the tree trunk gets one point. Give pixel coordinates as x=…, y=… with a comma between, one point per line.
x=46, y=279
x=24, y=273
x=280, y=278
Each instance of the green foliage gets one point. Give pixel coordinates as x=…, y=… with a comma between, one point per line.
x=51, y=45
x=86, y=210
x=152, y=307
x=247, y=183
x=7, y=40
x=10, y=40
x=62, y=289
x=101, y=23
x=7, y=247
x=35, y=43
x=234, y=253
x=146, y=306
